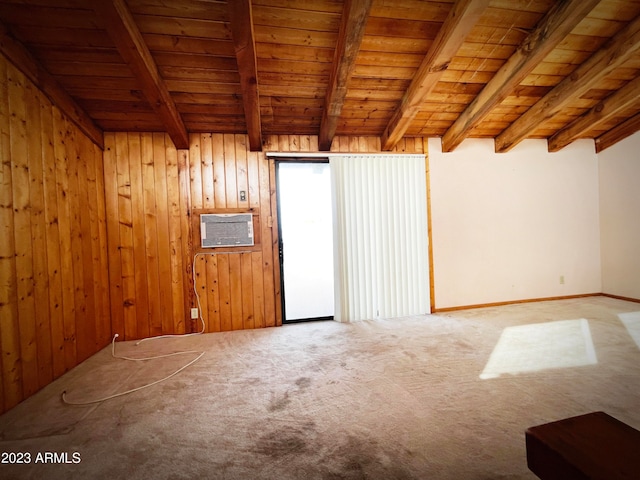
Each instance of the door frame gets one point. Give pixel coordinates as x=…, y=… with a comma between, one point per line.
x=277, y=162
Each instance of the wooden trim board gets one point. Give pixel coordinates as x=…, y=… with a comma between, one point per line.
x=619, y=297
x=512, y=302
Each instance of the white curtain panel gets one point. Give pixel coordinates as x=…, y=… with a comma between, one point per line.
x=380, y=236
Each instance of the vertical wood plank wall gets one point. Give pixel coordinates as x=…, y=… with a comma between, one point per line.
x=341, y=144
x=54, y=288
x=237, y=290
x=94, y=243
x=151, y=189
x=147, y=240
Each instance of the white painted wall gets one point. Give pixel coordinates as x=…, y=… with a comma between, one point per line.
x=619, y=168
x=507, y=226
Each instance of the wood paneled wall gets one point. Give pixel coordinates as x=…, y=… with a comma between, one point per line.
x=95, y=243
x=153, y=197
x=341, y=144
x=239, y=289
x=54, y=288
x=147, y=204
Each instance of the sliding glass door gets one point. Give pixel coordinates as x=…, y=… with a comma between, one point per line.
x=306, y=240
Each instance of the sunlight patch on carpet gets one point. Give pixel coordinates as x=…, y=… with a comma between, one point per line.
x=631, y=320
x=541, y=346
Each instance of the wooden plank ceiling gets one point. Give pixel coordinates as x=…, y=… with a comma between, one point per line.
x=503, y=69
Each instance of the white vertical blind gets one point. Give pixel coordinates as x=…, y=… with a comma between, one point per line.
x=380, y=236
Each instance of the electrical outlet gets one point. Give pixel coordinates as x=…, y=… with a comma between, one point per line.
x=561, y=279
x=194, y=313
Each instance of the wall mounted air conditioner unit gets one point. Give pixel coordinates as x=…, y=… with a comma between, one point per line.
x=226, y=230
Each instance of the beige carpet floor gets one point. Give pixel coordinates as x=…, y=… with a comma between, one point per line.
x=444, y=396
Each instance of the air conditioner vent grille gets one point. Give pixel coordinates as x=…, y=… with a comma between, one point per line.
x=226, y=230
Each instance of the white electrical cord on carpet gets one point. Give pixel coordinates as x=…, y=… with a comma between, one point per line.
x=113, y=354
x=134, y=359
x=113, y=346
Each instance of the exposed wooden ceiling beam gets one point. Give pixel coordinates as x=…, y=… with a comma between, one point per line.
x=551, y=30
x=622, y=131
x=354, y=19
x=615, y=52
x=126, y=36
x=17, y=54
x=461, y=19
x=599, y=114
x=241, y=18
